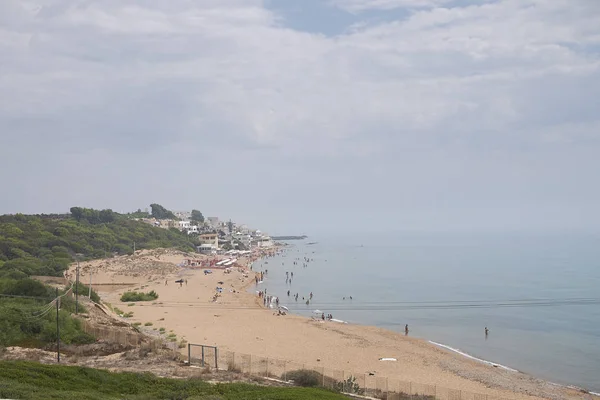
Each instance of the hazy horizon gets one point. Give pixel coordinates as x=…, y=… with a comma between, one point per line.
x=311, y=117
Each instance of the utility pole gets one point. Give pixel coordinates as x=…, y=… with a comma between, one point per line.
x=57, y=329
x=77, y=289
x=90, y=293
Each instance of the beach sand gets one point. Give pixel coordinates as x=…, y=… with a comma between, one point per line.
x=238, y=322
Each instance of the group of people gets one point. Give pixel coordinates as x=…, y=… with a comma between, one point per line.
x=267, y=299
x=329, y=317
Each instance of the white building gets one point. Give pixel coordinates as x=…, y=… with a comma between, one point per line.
x=207, y=248
x=184, y=225
x=210, y=238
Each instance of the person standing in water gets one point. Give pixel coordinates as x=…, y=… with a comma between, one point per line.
x=486, y=332
x=406, y=330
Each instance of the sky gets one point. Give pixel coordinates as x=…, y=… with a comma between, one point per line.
x=306, y=116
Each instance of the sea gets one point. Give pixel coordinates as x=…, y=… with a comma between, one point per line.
x=538, y=294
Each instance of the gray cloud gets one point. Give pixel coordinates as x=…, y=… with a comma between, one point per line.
x=456, y=115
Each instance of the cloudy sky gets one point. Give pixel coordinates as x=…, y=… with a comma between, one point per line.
x=306, y=115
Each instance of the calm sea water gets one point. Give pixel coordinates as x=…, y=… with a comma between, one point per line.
x=420, y=280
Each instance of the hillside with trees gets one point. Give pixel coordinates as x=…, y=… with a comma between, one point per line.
x=42, y=245
x=33, y=245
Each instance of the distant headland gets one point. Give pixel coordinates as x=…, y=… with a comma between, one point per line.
x=289, y=237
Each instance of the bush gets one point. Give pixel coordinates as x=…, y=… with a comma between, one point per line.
x=139, y=296
x=349, y=386
x=84, y=290
x=305, y=377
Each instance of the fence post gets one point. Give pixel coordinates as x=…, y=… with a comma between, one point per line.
x=189, y=354
x=387, y=390
x=216, y=359
x=323, y=377
x=250, y=365
x=285, y=370
x=267, y=368
x=202, y=356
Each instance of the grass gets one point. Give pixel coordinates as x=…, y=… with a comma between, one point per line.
x=21, y=379
x=148, y=324
x=139, y=296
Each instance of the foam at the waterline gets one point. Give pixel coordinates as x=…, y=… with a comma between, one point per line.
x=473, y=358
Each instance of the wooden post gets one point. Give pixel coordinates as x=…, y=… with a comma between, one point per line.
x=57, y=329
x=189, y=354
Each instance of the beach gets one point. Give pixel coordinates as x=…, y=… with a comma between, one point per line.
x=238, y=322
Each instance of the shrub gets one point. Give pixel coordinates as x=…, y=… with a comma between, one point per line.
x=139, y=296
x=305, y=377
x=349, y=386
x=148, y=324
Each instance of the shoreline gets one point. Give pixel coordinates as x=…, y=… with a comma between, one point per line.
x=238, y=322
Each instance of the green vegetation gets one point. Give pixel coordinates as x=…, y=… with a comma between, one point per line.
x=159, y=212
x=139, y=296
x=305, y=377
x=138, y=214
x=197, y=216
x=84, y=290
x=148, y=324
x=46, y=245
x=43, y=245
x=32, y=321
x=35, y=381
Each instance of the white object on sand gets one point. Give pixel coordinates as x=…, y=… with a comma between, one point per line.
x=318, y=312
x=387, y=359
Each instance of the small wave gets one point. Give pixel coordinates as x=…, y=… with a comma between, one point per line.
x=473, y=358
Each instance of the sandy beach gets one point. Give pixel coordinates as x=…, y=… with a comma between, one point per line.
x=237, y=321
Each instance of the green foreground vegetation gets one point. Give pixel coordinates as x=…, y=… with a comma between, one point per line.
x=28, y=380
x=45, y=245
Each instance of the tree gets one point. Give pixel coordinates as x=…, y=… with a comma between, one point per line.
x=159, y=212
x=197, y=216
x=77, y=213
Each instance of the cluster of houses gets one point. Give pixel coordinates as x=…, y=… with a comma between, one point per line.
x=214, y=236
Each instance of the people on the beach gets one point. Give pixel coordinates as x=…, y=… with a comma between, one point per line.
x=406, y=329
x=166, y=282
x=486, y=331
